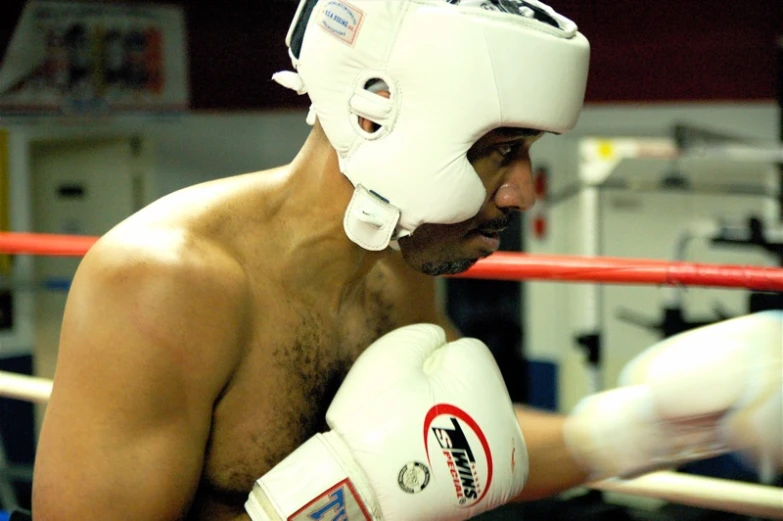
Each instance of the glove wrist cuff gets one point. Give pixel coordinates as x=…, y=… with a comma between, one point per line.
x=317, y=475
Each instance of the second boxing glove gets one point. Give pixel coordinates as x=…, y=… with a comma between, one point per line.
x=702, y=393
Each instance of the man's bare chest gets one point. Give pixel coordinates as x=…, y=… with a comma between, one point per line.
x=279, y=395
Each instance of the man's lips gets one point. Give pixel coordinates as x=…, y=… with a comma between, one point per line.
x=489, y=237
x=491, y=232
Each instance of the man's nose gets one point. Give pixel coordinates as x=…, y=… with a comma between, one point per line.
x=516, y=191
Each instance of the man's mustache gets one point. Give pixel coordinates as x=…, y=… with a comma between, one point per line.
x=503, y=221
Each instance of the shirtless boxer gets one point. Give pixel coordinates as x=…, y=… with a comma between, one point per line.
x=205, y=337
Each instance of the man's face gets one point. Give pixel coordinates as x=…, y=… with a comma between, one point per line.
x=501, y=159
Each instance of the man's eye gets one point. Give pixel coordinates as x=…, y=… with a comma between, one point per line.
x=505, y=150
x=508, y=151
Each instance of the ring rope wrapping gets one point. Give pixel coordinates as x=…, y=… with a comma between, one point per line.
x=508, y=266
x=27, y=388
x=614, y=270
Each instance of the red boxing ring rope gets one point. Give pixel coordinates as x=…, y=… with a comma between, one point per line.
x=45, y=244
x=520, y=266
x=508, y=266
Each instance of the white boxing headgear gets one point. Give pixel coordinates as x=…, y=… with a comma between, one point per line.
x=456, y=69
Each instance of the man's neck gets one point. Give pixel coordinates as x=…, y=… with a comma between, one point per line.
x=323, y=261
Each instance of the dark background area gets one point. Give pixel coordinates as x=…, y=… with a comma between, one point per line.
x=665, y=50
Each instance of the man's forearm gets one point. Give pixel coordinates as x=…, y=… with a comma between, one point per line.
x=552, y=468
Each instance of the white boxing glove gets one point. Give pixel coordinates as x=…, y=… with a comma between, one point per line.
x=709, y=391
x=422, y=429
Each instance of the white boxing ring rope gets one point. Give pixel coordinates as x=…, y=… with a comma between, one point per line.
x=711, y=493
x=27, y=388
x=726, y=495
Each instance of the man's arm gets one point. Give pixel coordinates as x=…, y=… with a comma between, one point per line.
x=552, y=468
x=146, y=347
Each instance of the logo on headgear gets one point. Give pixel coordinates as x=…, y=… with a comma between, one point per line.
x=339, y=503
x=341, y=19
x=464, y=450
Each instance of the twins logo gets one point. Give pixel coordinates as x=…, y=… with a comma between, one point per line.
x=339, y=503
x=464, y=449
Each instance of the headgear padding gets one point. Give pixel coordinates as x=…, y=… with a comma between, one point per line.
x=455, y=72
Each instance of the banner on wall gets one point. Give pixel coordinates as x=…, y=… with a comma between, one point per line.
x=90, y=57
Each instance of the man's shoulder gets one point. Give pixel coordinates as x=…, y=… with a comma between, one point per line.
x=170, y=270
x=175, y=253
x=164, y=291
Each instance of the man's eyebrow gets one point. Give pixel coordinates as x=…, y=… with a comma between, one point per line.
x=515, y=132
x=500, y=136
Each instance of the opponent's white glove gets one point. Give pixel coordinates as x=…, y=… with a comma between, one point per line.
x=422, y=429
x=702, y=393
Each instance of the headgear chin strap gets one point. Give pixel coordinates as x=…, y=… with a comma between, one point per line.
x=455, y=70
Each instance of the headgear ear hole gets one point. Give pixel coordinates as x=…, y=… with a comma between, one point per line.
x=374, y=85
x=375, y=127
